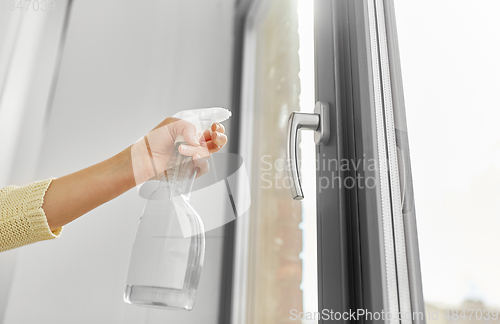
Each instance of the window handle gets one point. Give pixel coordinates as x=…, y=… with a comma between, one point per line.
x=319, y=122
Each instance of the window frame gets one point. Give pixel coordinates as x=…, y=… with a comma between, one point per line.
x=353, y=225
x=382, y=230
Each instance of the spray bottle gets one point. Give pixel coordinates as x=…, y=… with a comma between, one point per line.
x=169, y=247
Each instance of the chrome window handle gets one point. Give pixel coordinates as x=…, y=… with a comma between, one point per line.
x=319, y=121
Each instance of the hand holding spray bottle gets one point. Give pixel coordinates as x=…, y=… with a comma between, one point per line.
x=169, y=247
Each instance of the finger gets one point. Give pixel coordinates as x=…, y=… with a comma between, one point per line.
x=207, y=135
x=213, y=148
x=189, y=150
x=186, y=129
x=219, y=139
x=217, y=127
x=201, y=163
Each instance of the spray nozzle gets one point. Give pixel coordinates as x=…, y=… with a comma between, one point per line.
x=202, y=118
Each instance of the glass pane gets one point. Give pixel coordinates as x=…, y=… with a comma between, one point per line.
x=283, y=262
x=451, y=82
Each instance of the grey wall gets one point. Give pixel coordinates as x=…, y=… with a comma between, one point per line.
x=127, y=65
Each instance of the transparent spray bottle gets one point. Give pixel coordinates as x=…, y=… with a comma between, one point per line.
x=169, y=247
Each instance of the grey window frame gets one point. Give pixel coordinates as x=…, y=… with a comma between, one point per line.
x=381, y=239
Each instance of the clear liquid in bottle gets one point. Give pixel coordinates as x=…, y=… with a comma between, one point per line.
x=169, y=247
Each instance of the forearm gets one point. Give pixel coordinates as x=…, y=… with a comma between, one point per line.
x=76, y=194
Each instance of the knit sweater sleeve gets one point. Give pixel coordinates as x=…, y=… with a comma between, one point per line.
x=22, y=219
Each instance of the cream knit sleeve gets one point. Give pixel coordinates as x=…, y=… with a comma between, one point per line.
x=22, y=219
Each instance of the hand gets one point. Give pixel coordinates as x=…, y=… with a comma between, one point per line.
x=150, y=155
